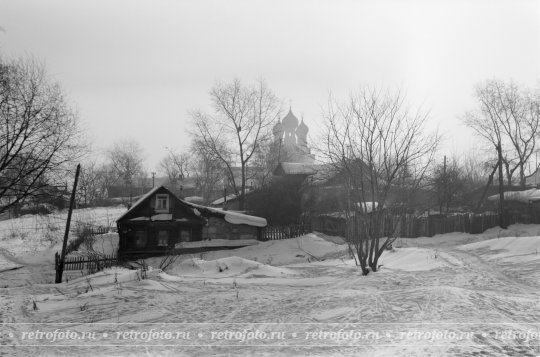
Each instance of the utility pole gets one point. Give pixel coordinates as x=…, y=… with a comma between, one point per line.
x=153, y=176
x=60, y=260
x=501, y=188
x=445, y=183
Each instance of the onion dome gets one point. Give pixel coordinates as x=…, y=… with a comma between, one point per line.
x=302, y=130
x=290, y=122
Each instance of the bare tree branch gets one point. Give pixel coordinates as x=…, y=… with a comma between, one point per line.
x=240, y=124
x=376, y=145
x=39, y=133
x=510, y=115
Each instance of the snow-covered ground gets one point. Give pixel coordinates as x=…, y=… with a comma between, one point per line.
x=30, y=242
x=450, y=295
x=36, y=233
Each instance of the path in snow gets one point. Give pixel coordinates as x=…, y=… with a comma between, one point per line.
x=466, y=292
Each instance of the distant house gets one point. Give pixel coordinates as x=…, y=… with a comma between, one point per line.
x=481, y=196
x=160, y=221
x=232, y=201
x=322, y=187
x=526, y=196
x=185, y=187
x=117, y=191
x=533, y=180
x=298, y=170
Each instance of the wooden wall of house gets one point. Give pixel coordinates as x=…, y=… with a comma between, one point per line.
x=127, y=240
x=218, y=228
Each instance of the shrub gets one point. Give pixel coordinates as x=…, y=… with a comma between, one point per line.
x=83, y=233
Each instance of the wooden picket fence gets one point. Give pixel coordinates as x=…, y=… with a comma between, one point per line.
x=94, y=230
x=411, y=226
x=284, y=232
x=99, y=230
x=93, y=263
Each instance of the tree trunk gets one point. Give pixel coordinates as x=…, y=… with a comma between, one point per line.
x=522, y=181
x=501, y=189
x=490, y=181
x=242, y=198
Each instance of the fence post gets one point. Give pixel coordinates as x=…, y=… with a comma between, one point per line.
x=56, y=261
x=60, y=269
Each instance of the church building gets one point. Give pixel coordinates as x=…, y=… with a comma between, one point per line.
x=290, y=137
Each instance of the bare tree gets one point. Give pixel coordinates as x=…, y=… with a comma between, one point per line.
x=475, y=169
x=88, y=188
x=126, y=159
x=448, y=183
x=175, y=165
x=233, y=133
x=143, y=181
x=39, y=133
x=508, y=115
x=207, y=169
x=106, y=179
x=94, y=181
x=374, y=142
x=265, y=162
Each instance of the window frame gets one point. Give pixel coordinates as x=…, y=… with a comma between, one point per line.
x=141, y=238
x=185, y=233
x=160, y=197
x=166, y=236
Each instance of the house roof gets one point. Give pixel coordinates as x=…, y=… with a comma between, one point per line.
x=322, y=174
x=532, y=195
x=141, y=200
x=231, y=197
x=363, y=207
x=533, y=179
x=252, y=175
x=233, y=217
x=295, y=168
x=229, y=216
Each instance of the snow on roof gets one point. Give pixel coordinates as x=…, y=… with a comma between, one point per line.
x=234, y=217
x=217, y=243
x=162, y=217
x=230, y=197
x=229, y=216
x=240, y=218
x=220, y=200
x=526, y=196
x=363, y=207
x=367, y=207
x=194, y=199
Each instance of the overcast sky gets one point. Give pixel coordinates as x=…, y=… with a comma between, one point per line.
x=134, y=68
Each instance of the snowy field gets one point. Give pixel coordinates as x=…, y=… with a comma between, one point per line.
x=449, y=295
x=33, y=234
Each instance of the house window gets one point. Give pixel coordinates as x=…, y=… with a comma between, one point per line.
x=212, y=232
x=163, y=238
x=185, y=236
x=162, y=203
x=140, y=239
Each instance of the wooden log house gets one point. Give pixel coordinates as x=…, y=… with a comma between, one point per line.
x=159, y=221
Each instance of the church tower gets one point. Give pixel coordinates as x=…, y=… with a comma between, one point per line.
x=291, y=138
x=290, y=122
x=301, y=134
